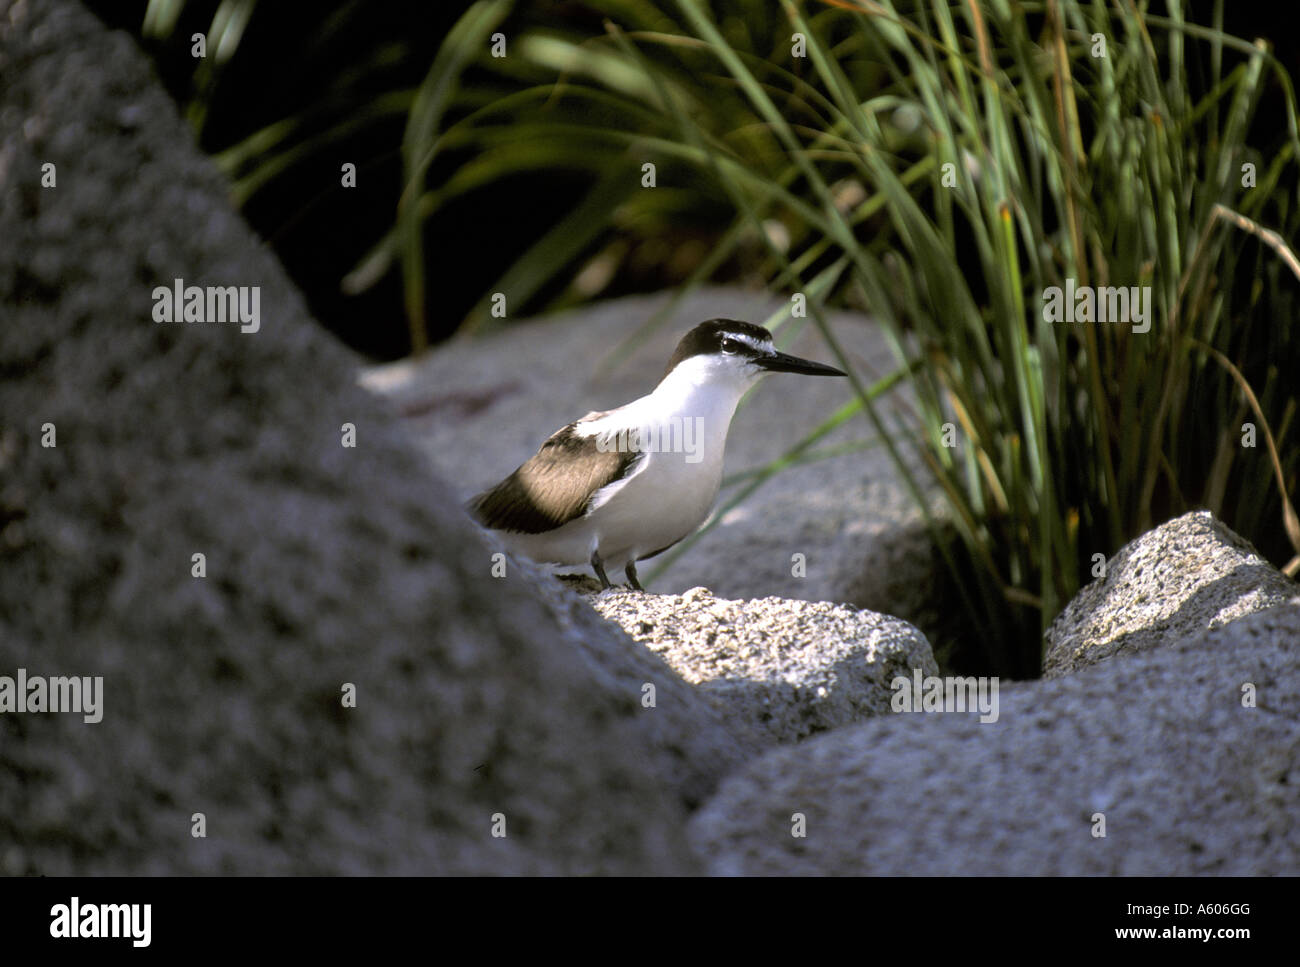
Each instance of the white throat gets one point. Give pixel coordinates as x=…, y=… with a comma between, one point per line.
x=689, y=412
x=709, y=387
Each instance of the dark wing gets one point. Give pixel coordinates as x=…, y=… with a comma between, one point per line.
x=555, y=486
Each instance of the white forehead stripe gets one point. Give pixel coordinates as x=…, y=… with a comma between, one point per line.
x=758, y=345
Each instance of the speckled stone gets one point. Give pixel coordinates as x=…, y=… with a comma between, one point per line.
x=1190, y=779
x=1188, y=575
x=788, y=668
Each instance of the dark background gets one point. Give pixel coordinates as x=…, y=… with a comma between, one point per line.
x=291, y=53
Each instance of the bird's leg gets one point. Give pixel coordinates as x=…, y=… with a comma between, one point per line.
x=630, y=571
x=598, y=566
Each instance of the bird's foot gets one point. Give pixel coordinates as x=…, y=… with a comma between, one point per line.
x=598, y=566
x=632, y=582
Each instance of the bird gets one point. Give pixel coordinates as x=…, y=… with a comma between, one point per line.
x=620, y=486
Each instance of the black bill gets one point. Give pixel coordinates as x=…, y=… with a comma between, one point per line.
x=782, y=363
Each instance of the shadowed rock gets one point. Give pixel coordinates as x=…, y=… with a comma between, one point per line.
x=325, y=565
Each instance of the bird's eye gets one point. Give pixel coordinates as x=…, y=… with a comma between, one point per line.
x=730, y=347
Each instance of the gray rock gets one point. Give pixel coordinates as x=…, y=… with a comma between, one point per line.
x=1189, y=779
x=325, y=565
x=788, y=668
x=1189, y=574
x=693, y=741
x=480, y=407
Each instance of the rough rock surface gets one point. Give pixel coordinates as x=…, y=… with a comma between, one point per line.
x=1190, y=780
x=1189, y=574
x=698, y=741
x=788, y=668
x=325, y=565
x=480, y=407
